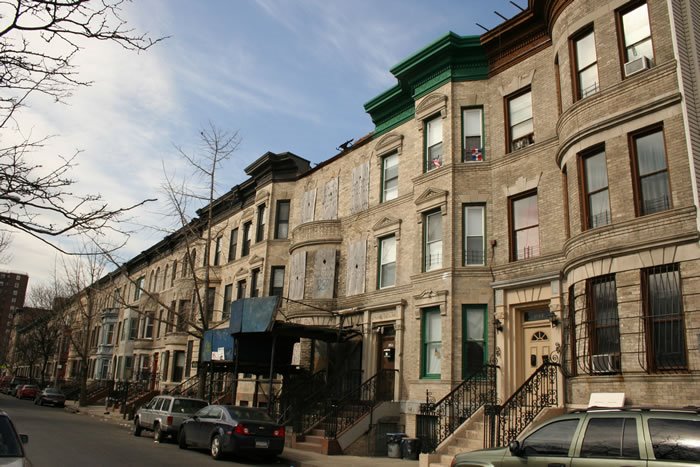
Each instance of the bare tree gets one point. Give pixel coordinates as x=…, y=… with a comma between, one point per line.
x=81, y=276
x=38, y=41
x=218, y=146
x=5, y=242
x=49, y=325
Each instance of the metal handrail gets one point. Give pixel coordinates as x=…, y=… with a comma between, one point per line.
x=538, y=392
x=438, y=420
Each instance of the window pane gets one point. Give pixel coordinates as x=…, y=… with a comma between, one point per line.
x=585, y=51
x=520, y=109
x=388, y=275
x=675, y=439
x=472, y=122
x=611, y=437
x=596, y=172
x=391, y=177
x=551, y=440
x=521, y=129
x=433, y=332
x=474, y=216
x=434, y=256
x=641, y=49
x=434, y=227
x=635, y=24
x=599, y=210
x=433, y=358
x=655, y=192
x=650, y=153
x=588, y=80
x=475, y=324
x=525, y=212
x=434, y=129
x=388, y=250
x=475, y=250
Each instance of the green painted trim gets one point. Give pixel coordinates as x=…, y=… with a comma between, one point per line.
x=423, y=348
x=484, y=309
x=450, y=58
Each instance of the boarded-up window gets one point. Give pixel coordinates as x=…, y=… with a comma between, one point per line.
x=298, y=274
x=357, y=256
x=360, y=188
x=308, y=205
x=324, y=273
x=330, y=200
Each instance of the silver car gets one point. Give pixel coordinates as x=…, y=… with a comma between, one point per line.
x=164, y=414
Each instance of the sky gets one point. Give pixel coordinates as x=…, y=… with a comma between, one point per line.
x=287, y=75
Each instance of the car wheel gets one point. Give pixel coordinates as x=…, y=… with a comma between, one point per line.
x=137, y=427
x=157, y=433
x=181, y=440
x=216, y=452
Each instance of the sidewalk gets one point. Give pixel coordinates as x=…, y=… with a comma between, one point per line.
x=294, y=457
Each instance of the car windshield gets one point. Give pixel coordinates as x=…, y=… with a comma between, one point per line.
x=9, y=445
x=52, y=391
x=243, y=413
x=188, y=405
x=31, y=386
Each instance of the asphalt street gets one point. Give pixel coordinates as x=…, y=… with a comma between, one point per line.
x=59, y=438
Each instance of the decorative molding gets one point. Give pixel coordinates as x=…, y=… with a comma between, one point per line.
x=256, y=260
x=517, y=83
x=388, y=143
x=241, y=272
x=386, y=226
x=430, y=298
x=522, y=185
x=432, y=198
x=430, y=105
x=262, y=195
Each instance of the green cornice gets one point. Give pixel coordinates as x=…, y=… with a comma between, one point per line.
x=450, y=58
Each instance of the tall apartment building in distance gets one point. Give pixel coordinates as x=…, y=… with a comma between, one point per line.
x=519, y=230
x=13, y=288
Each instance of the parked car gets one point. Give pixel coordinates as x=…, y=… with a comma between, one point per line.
x=14, y=384
x=11, y=450
x=51, y=396
x=28, y=391
x=164, y=414
x=228, y=429
x=597, y=437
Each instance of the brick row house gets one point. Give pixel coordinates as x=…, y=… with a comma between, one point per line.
x=528, y=199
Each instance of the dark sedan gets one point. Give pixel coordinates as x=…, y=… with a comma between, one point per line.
x=228, y=429
x=51, y=396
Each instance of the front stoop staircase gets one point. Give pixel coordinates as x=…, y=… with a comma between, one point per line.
x=316, y=441
x=468, y=437
x=492, y=425
x=328, y=425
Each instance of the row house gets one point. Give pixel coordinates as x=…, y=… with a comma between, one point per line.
x=526, y=207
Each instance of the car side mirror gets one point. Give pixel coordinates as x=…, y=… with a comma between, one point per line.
x=514, y=447
x=24, y=438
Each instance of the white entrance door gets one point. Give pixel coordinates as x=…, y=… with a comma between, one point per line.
x=537, y=346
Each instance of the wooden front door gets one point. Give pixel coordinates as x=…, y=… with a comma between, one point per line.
x=386, y=361
x=537, y=346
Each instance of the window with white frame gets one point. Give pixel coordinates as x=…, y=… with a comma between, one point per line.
x=433, y=143
x=472, y=138
x=390, y=177
x=431, y=348
x=432, y=240
x=387, y=261
x=474, y=241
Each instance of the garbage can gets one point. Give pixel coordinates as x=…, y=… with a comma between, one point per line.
x=393, y=444
x=410, y=448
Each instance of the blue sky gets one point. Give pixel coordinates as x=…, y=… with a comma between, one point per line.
x=288, y=75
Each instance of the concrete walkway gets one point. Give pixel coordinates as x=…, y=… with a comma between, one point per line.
x=294, y=457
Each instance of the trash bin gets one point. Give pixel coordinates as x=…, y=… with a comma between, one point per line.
x=393, y=444
x=410, y=448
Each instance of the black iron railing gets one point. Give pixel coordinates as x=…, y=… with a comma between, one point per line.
x=186, y=388
x=294, y=392
x=438, y=420
x=357, y=403
x=506, y=422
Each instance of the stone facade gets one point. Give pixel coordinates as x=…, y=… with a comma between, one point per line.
x=518, y=284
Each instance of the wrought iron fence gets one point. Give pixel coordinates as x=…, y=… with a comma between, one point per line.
x=438, y=420
x=294, y=392
x=359, y=402
x=507, y=421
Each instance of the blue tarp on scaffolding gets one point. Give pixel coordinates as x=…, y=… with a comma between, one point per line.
x=253, y=315
x=214, y=340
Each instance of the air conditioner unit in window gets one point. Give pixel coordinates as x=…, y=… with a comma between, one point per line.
x=522, y=142
x=605, y=363
x=637, y=65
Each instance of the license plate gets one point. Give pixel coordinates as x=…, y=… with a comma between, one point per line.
x=262, y=444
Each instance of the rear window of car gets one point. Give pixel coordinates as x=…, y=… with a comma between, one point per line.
x=674, y=439
x=241, y=413
x=188, y=405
